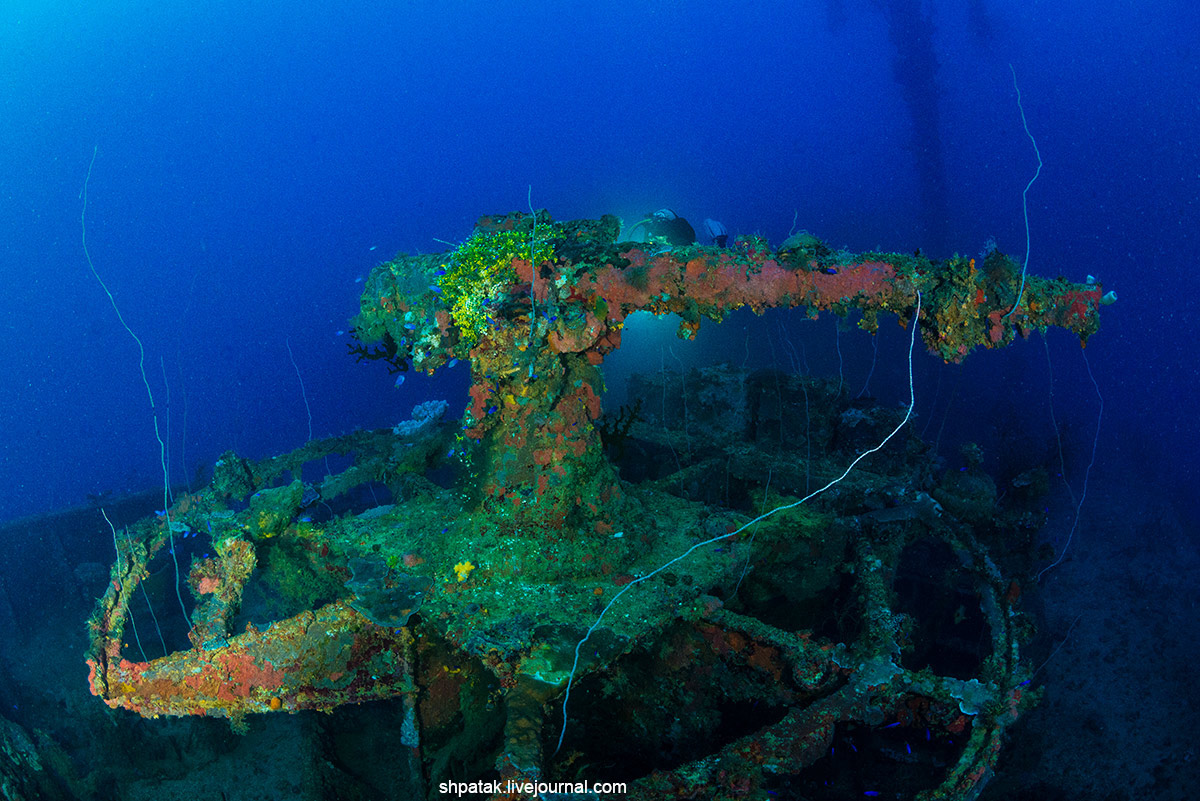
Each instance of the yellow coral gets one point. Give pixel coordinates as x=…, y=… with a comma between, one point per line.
x=463, y=569
x=480, y=272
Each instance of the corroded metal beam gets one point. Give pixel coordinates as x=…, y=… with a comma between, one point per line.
x=536, y=305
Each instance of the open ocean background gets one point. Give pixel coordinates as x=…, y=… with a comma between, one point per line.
x=254, y=159
x=250, y=162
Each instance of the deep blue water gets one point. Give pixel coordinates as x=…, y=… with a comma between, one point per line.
x=252, y=161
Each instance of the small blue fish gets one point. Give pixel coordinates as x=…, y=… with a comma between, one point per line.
x=410, y=326
x=358, y=280
x=435, y=289
x=340, y=333
x=452, y=362
x=399, y=380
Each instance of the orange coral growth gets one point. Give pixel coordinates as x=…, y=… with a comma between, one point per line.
x=766, y=659
x=244, y=673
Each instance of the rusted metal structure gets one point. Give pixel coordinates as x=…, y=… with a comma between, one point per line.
x=482, y=586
